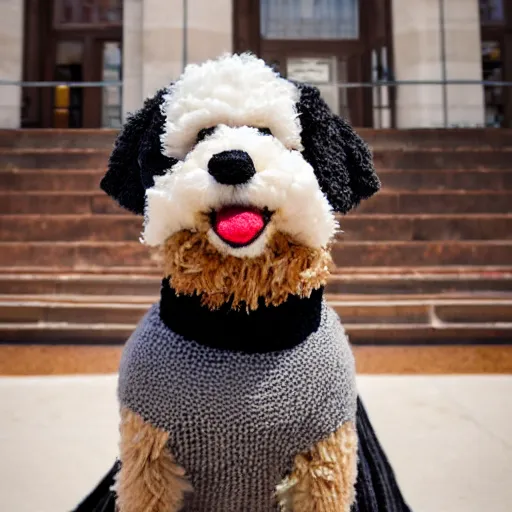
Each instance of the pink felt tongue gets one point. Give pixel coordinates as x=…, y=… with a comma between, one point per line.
x=238, y=225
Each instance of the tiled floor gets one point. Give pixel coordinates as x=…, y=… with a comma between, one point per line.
x=449, y=439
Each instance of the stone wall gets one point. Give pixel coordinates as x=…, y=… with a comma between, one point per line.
x=418, y=56
x=153, y=50
x=11, y=61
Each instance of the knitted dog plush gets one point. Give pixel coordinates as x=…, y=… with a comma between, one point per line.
x=237, y=389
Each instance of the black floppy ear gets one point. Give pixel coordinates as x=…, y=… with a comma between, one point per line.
x=137, y=156
x=342, y=161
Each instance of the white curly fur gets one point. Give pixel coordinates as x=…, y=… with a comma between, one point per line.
x=235, y=90
x=284, y=183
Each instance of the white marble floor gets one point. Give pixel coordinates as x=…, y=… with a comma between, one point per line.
x=449, y=439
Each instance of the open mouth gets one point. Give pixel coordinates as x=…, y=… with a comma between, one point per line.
x=239, y=226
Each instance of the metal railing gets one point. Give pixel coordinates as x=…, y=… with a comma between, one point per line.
x=60, y=83
x=394, y=85
x=62, y=106
x=443, y=103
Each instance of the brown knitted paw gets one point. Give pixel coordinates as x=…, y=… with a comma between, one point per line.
x=322, y=479
x=149, y=479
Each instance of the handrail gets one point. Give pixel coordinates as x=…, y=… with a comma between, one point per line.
x=61, y=108
x=22, y=83
x=349, y=85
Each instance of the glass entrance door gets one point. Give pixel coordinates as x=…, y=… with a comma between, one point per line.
x=69, y=67
x=89, y=58
x=77, y=41
x=328, y=72
x=325, y=73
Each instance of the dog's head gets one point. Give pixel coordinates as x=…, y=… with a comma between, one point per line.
x=241, y=165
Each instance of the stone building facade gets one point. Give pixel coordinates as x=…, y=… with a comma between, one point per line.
x=143, y=44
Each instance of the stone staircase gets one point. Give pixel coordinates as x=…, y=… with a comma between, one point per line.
x=428, y=260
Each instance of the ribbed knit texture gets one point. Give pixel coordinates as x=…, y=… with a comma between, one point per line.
x=237, y=420
x=376, y=487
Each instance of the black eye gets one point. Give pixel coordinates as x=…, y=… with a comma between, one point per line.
x=204, y=133
x=264, y=131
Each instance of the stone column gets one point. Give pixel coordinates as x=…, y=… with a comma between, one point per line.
x=11, y=61
x=161, y=43
x=132, y=56
x=466, y=103
x=418, y=56
x=153, y=42
x=210, y=29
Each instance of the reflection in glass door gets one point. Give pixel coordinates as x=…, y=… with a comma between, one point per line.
x=111, y=109
x=69, y=67
x=381, y=102
x=492, y=70
x=492, y=11
x=325, y=73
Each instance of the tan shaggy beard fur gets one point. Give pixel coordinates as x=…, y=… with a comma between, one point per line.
x=195, y=266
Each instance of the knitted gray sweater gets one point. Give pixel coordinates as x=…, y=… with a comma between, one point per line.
x=236, y=420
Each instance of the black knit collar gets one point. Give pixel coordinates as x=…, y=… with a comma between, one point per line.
x=267, y=329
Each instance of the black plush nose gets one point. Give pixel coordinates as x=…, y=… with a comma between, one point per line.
x=233, y=167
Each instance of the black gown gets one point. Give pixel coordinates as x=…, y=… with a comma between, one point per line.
x=376, y=487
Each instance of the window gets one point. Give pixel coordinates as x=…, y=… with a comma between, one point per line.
x=88, y=12
x=492, y=11
x=309, y=19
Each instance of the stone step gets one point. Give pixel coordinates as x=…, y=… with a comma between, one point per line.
x=378, y=139
x=433, y=158
x=69, y=228
x=426, y=227
x=425, y=334
x=51, y=180
x=386, y=310
x=437, y=201
x=76, y=255
x=138, y=300
x=81, y=285
x=400, y=202
x=389, y=310
x=59, y=333
x=445, y=158
x=437, y=138
x=83, y=255
x=476, y=282
x=58, y=203
x=398, y=253
x=57, y=139
x=426, y=179
x=54, y=158
x=64, y=333
x=42, y=228
x=408, y=281
x=446, y=179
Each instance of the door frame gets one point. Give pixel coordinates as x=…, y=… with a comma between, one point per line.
x=41, y=39
x=247, y=37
